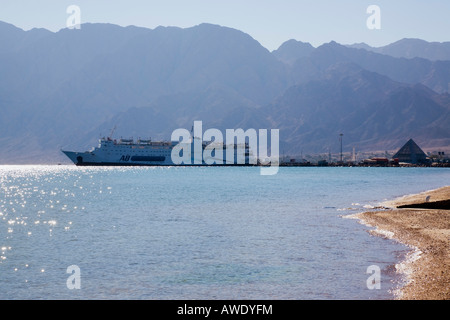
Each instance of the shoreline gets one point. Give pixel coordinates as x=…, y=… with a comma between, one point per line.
x=427, y=233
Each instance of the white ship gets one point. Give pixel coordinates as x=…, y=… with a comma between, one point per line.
x=128, y=152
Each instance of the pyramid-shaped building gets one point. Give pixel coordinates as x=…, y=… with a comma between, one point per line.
x=411, y=153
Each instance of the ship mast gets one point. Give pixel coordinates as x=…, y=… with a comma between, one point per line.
x=112, y=132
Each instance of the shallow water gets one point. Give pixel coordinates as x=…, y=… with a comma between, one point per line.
x=198, y=233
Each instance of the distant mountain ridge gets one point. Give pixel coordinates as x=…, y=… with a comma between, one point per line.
x=434, y=74
x=292, y=50
x=69, y=87
x=369, y=108
x=411, y=48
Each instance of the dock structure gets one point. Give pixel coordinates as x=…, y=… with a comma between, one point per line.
x=409, y=155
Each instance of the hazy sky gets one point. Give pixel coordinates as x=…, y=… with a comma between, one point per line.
x=268, y=21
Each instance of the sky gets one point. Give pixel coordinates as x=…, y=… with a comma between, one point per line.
x=268, y=21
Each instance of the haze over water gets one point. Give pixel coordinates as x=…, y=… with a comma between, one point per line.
x=198, y=233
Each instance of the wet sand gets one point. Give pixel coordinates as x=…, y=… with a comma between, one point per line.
x=427, y=232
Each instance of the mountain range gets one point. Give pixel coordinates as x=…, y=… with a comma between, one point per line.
x=65, y=89
x=411, y=48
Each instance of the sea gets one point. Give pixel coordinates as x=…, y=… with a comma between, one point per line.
x=170, y=233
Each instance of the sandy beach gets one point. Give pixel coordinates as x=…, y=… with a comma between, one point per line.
x=427, y=232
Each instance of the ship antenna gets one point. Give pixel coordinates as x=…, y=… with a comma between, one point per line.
x=112, y=131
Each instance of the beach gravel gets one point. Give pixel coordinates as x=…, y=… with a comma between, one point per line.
x=428, y=232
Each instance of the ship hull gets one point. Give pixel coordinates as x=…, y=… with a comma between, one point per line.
x=115, y=164
x=109, y=153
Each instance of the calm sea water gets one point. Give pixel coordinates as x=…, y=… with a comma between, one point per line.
x=198, y=233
